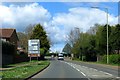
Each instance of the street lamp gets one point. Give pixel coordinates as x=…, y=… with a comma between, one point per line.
x=107, y=31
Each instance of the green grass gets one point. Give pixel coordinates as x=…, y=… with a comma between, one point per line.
x=0, y=73
x=24, y=71
x=107, y=64
x=76, y=59
x=18, y=64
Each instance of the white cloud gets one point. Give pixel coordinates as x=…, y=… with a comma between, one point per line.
x=20, y=17
x=83, y=18
x=60, y=1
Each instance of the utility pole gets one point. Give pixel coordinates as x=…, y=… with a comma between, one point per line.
x=107, y=31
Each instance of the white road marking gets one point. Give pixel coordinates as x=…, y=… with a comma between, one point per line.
x=95, y=69
x=91, y=68
x=73, y=65
x=118, y=77
x=77, y=69
x=83, y=73
x=84, y=66
x=94, y=75
x=108, y=73
x=101, y=71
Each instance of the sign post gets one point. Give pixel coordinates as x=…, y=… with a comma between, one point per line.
x=33, y=48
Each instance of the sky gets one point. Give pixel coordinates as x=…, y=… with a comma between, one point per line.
x=57, y=18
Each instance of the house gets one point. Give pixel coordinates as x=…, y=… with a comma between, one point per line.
x=9, y=35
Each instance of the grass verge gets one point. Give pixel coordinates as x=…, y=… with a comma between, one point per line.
x=107, y=64
x=97, y=62
x=24, y=71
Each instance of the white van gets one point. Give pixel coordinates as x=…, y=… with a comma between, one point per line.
x=60, y=56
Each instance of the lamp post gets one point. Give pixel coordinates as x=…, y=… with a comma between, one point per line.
x=107, y=31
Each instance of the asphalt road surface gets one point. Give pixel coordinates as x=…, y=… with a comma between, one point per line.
x=70, y=69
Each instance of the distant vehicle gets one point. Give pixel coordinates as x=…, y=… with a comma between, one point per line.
x=60, y=56
x=52, y=57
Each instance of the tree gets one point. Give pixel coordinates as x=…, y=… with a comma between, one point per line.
x=23, y=41
x=101, y=38
x=25, y=36
x=73, y=36
x=28, y=30
x=115, y=38
x=39, y=33
x=67, y=49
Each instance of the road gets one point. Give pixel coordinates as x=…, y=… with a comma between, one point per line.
x=71, y=69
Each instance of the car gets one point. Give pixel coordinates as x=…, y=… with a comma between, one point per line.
x=52, y=57
x=60, y=56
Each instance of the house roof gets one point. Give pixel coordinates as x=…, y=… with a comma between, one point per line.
x=7, y=33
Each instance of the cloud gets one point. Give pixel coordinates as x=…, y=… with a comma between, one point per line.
x=20, y=17
x=83, y=18
x=78, y=0
x=93, y=0
x=58, y=47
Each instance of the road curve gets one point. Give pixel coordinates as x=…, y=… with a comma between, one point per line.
x=65, y=69
x=59, y=69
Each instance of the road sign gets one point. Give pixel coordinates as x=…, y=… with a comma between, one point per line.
x=34, y=46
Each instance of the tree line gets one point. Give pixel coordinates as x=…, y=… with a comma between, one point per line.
x=90, y=45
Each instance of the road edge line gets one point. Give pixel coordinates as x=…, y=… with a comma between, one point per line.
x=36, y=72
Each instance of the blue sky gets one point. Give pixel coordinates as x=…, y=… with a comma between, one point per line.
x=57, y=7
x=58, y=18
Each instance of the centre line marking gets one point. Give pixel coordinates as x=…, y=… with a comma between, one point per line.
x=108, y=73
x=77, y=69
x=83, y=73
x=73, y=67
x=118, y=77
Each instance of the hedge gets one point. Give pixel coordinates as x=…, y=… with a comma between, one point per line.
x=113, y=59
x=8, y=48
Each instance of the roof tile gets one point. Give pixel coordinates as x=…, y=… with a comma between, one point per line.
x=6, y=33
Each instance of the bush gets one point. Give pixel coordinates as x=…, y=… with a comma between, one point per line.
x=8, y=48
x=104, y=59
x=42, y=51
x=21, y=58
x=113, y=59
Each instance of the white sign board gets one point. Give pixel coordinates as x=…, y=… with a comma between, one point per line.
x=33, y=46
